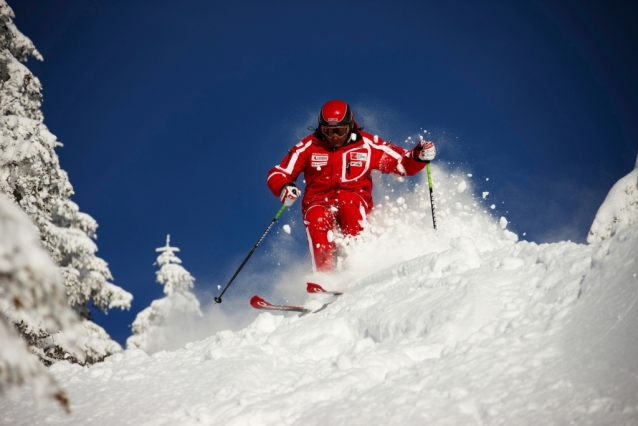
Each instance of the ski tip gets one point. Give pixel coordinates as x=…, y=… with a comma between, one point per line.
x=258, y=303
x=316, y=288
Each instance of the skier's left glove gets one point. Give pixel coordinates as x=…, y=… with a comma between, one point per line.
x=289, y=194
x=424, y=151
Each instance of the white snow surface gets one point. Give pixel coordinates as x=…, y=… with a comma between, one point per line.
x=463, y=325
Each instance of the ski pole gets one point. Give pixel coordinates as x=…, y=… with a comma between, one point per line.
x=431, y=194
x=281, y=210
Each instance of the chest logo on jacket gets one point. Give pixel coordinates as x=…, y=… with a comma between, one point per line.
x=355, y=164
x=319, y=157
x=359, y=156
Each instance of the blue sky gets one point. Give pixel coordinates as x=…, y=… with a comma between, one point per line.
x=172, y=113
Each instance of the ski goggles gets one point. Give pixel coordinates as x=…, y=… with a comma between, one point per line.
x=330, y=131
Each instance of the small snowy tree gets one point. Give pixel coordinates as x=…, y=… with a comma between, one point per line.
x=30, y=175
x=155, y=327
x=31, y=290
x=619, y=210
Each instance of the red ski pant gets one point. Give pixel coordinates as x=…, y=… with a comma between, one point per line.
x=346, y=212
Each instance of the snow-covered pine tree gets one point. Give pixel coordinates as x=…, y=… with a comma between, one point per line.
x=30, y=175
x=31, y=290
x=154, y=328
x=618, y=211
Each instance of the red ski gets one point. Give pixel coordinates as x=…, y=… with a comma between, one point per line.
x=316, y=288
x=259, y=303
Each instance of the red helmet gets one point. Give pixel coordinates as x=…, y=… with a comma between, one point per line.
x=335, y=113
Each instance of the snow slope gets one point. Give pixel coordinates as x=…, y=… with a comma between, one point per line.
x=465, y=325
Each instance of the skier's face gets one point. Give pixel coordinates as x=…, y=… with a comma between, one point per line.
x=336, y=135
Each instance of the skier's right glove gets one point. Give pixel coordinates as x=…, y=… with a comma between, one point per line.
x=289, y=194
x=424, y=151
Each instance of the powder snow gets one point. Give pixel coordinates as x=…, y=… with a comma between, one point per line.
x=463, y=325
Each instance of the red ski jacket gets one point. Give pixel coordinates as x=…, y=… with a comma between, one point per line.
x=328, y=170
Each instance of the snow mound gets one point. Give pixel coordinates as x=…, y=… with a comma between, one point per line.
x=619, y=210
x=463, y=325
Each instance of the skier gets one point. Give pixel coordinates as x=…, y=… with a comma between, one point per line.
x=336, y=161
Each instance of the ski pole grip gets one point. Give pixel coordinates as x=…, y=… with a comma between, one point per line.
x=281, y=210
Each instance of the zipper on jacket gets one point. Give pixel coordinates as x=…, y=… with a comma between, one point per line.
x=332, y=168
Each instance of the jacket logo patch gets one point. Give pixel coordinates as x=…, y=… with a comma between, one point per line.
x=356, y=164
x=319, y=163
x=319, y=157
x=359, y=156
